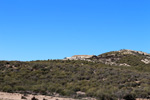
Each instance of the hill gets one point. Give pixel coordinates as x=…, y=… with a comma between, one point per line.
x=97, y=78
x=124, y=57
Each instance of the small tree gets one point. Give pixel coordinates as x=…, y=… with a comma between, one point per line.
x=129, y=97
x=34, y=98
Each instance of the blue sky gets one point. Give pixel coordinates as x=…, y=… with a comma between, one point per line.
x=54, y=29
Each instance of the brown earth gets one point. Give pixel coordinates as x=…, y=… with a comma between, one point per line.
x=17, y=96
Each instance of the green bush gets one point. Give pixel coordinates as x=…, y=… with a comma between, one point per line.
x=68, y=77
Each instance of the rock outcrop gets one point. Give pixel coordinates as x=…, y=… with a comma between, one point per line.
x=79, y=57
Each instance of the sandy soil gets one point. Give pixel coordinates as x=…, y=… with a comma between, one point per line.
x=17, y=96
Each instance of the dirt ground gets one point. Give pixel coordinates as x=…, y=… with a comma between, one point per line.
x=17, y=96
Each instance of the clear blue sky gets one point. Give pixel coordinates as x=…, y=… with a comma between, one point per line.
x=52, y=29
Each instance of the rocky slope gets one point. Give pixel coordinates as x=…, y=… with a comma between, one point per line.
x=122, y=57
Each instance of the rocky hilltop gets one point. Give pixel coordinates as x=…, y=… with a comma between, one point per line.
x=79, y=57
x=123, y=57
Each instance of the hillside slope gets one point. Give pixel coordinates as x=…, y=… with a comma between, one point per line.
x=102, y=77
x=123, y=57
x=68, y=78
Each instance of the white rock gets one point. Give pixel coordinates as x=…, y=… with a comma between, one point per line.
x=146, y=61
